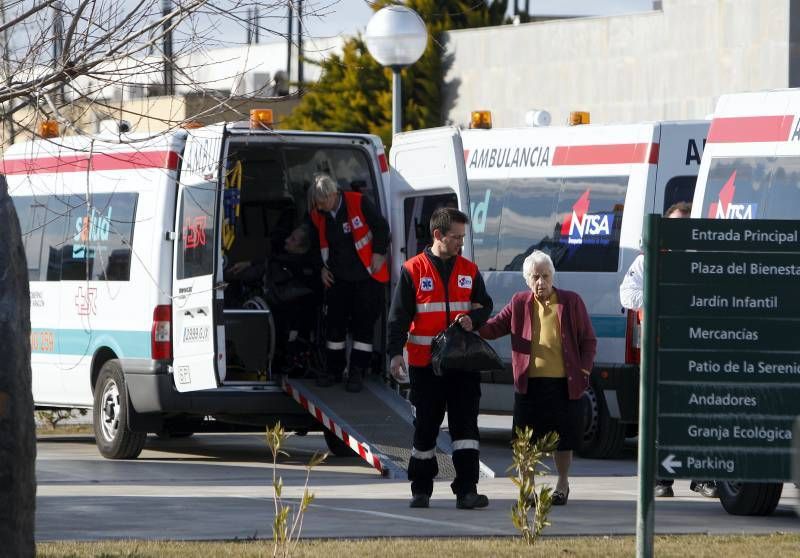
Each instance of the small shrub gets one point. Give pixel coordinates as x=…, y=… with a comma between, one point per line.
x=527, y=465
x=51, y=417
x=288, y=522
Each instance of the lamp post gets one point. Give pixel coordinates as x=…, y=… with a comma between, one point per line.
x=396, y=37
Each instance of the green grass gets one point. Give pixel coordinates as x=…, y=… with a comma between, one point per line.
x=777, y=545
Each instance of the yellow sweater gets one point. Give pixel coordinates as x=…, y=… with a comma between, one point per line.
x=547, y=357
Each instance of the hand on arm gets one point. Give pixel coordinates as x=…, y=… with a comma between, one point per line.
x=327, y=277
x=377, y=262
x=397, y=367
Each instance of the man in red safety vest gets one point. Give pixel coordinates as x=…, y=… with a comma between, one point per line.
x=352, y=238
x=436, y=288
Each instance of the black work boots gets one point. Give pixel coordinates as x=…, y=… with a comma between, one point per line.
x=355, y=380
x=471, y=501
x=354, y=384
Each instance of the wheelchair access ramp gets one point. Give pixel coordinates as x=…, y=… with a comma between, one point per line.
x=377, y=424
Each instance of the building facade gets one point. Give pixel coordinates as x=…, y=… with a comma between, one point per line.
x=670, y=63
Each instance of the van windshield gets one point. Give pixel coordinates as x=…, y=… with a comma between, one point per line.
x=752, y=188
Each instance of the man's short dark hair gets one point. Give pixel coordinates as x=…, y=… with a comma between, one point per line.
x=444, y=217
x=682, y=206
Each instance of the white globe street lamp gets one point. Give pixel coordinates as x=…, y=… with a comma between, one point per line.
x=396, y=37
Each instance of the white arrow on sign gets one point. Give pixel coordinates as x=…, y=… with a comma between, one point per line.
x=671, y=462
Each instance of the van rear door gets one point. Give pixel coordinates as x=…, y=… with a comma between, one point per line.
x=196, y=264
x=426, y=171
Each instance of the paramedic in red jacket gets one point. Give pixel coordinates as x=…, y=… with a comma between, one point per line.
x=352, y=237
x=552, y=353
x=436, y=288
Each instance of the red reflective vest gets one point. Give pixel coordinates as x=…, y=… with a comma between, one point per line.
x=362, y=235
x=431, y=316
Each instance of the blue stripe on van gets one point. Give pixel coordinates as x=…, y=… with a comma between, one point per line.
x=126, y=344
x=609, y=326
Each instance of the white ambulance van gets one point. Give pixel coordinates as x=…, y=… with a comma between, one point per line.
x=127, y=238
x=579, y=193
x=751, y=170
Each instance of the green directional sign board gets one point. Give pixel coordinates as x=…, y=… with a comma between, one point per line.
x=723, y=334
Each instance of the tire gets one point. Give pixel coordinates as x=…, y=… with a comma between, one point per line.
x=336, y=446
x=603, y=436
x=113, y=437
x=749, y=498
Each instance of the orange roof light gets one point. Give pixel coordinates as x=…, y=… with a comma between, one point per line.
x=260, y=118
x=49, y=129
x=577, y=117
x=481, y=119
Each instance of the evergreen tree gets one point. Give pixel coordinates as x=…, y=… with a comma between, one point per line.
x=354, y=93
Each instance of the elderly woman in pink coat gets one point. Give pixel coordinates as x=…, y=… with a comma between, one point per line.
x=553, y=346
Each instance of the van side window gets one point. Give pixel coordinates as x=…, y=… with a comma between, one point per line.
x=752, y=188
x=589, y=221
x=527, y=220
x=783, y=197
x=678, y=189
x=575, y=220
x=99, y=238
x=31, y=211
x=485, y=209
x=417, y=212
x=736, y=187
x=54, y=238
x=196, y=240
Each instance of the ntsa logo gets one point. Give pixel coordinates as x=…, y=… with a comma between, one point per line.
x=582, y=227
x=724, y=208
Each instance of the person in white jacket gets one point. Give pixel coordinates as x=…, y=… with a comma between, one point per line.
x=631, y=295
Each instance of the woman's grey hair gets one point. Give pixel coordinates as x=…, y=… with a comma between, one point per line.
x=536, y=257
x=323, y=187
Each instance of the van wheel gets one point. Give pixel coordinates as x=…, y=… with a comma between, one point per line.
x=749, y=498
x=603, y=436
x=336, y=446
x=113, y=437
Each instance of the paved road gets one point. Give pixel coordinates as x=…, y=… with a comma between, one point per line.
x=218, y=486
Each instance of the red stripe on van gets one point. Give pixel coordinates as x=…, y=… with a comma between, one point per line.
x=613, y=154
x=750, y=129
x=100, y=162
